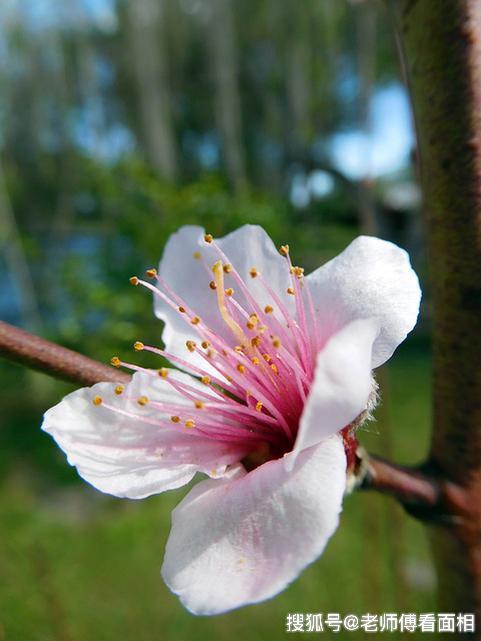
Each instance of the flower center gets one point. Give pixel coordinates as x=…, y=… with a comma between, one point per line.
x=256, y=373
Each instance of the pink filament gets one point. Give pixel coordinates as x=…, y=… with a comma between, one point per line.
x=258, y=390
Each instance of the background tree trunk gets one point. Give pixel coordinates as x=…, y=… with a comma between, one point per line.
x=147, y=33
x=442, y=52
x=222, y=40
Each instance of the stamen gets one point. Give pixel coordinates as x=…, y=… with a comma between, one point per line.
x=151, y=273
x=195, y=320
x=142, y=400
x=163, y=372
x=291, y=291
x=134, y=280
x=97, y=400
x=191, y=345
x=208, y=238
x=227, y=268
x=253, y=272
x=115, y=361
x=268, y=309
x=212, y=285
x=138, y=346
x=259, y=406
x=175, y=419
x=284, y=250
x=199, y=405
x=205, y=380
x=228, y=320
x=119, y=389
x=189, y=423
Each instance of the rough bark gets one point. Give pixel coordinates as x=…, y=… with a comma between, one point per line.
x=441, y=45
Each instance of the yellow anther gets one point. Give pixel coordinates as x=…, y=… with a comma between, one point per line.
x=119, y=389
x=253, y=272
x=212, y=285
x=256, y=341
x=97, y=400
x=191, y=345
x=229, y=291
x=268, y=309
x=142, y=400
x=298, y=271
x=241, y=368
x=163, y=372
x=189, y=423
x=115, y=361
x=138, y=346
x=195, y=320
x=229, y=378
x=205, y=344
x=196, y=255
x=254, y=318
x=208, y=238
x=255, y=360
x=266, y=357
x=291, y=291
x=262, y=328
x=274, y=368
x=210, y=353
x=227, y=268
x=199, y=405
x=284, y=249
x=250, y=325
x=276, y=342
x=258, y=406
x=205, y=380
x=134, y=280
x=239, y=348
x=175, y=419
x=151, y=273
x=181, y=310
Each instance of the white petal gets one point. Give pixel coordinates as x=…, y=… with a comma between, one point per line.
x=244, y=540
x=342, y=383
x=371, y=278
x=247, y=247
x=124, y=456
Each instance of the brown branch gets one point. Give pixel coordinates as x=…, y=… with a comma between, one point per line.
x=27, y=349
x=411, y=486
x=420, y=493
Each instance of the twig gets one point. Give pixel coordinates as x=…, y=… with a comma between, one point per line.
x=27, y=349
x=413, y=488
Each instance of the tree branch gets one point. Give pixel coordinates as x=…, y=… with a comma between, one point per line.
x=27, y=349
x=420, y=493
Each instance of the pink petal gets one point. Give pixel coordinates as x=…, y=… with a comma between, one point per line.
x=124, y=456
x=342, y=383
x=244, y=540
x=372, y=278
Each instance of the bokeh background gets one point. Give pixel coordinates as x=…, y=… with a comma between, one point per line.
x=119, y=122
